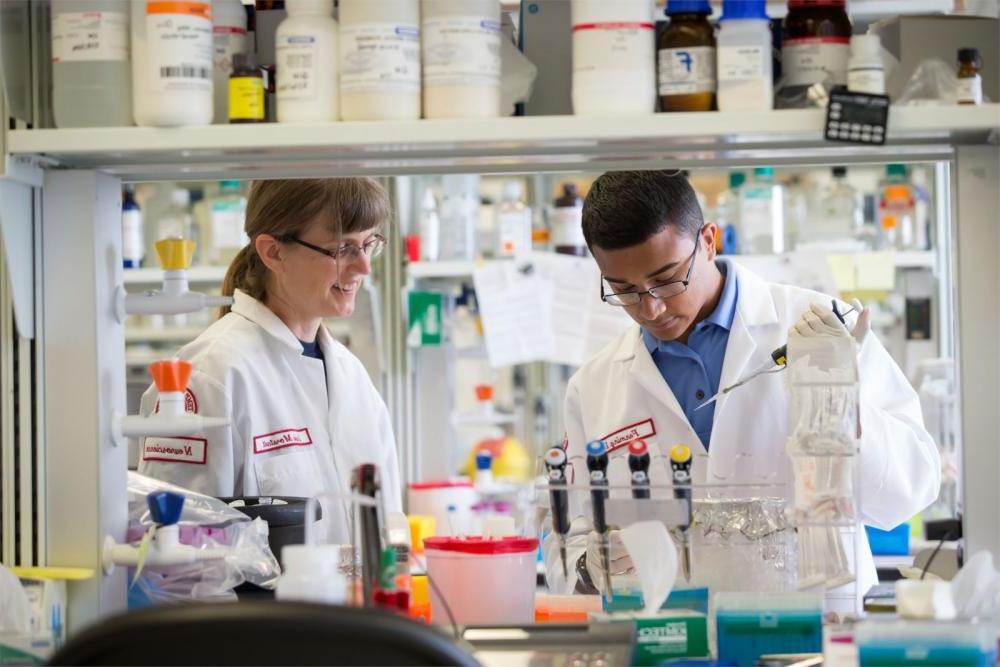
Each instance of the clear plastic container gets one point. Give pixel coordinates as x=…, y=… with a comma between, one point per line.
x=172, y=77
x=839, y=210
x=379, y=59
x=461, y=58
x=512, y=221
x=307, y=54
x=430, y=228
x=311, y=573
x=614, y=59
x=744, y=47
x=91, y=71
x=229, y=37
x=762, y=214
x=483, y=581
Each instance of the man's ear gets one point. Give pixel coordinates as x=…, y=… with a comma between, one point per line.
x=707, y=235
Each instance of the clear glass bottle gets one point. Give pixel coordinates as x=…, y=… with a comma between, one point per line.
x=839, y=215
x=227, y=214
x=762, y=214
x=897, y=208
x=512, y=222
x=686, y=58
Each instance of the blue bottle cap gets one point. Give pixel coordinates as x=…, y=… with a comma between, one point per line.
x=165, y=507
x=688, y=7
x=596, y=448
x=744, y=9
x=484, y=460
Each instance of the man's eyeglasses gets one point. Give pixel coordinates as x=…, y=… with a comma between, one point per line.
x=662, y=291
x=349, y=252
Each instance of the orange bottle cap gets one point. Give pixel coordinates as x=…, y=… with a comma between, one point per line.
x=484, y=392
x=170, y=374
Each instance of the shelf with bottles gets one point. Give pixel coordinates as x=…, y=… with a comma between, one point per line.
x=543, y=143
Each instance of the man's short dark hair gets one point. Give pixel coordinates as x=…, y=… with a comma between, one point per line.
x=626, y=208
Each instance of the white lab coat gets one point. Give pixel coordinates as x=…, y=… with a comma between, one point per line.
x=620, y=395
x=294, y=430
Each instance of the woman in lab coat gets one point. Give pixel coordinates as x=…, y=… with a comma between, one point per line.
x=646, y=231
x=303, y=410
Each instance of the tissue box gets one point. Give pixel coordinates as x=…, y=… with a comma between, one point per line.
x=663, y=636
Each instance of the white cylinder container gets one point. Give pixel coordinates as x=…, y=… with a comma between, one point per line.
x=865, y=69
x=171, y=63
x=461, y=58
x=311, y=574
x=744, y=52
x=614, y=57
x=379, y=60
x=91, y=73
x=307, y=54
x=484, y=581
x=229, y=30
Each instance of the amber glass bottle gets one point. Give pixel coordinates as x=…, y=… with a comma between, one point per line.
x=686, y=54
x=816, y=42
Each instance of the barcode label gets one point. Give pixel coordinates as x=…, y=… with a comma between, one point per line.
x=185, y=72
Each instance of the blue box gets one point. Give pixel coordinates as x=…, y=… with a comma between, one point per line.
x=895, y=542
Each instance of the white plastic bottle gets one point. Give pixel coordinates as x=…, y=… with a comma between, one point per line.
x=461, y=58
x=865, y=69
x=171, y=63
x=512, y=222
x=614, y=57
x=744, y=51
x=379, y=59
x=133, y=242
x=229, y=30
x=762, y=214
x=311, y=574
x=430, y=228
x=307, y=53
x=91, y=73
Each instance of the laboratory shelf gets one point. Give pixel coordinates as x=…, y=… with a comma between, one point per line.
x=202, y=275
x=162, y=334
x=445, y=269
x=538, y=143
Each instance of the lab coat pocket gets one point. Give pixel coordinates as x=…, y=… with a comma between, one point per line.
x=288, y=474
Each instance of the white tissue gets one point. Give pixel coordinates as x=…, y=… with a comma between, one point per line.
x=976, y=588
x=655, y=559
x=924, y=599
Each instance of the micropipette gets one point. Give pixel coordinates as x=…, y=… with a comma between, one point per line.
x=555, y=464
x=680, y=465
x=638, y=463
x=778, y=362
x=597, y=464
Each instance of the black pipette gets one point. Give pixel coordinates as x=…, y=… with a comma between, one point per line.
x=638, y=463
x=597, y=464
x=680, y=466
x=555, y=465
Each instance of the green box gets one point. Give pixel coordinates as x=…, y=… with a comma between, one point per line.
x=426, y=311
x=664, y=636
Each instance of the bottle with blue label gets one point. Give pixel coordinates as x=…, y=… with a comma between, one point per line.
x=133, y=243
x=686, y=58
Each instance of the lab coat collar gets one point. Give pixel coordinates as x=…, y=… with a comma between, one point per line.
x=255, y=311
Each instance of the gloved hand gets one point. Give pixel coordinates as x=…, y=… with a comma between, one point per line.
x=820, y=320
x=621, y=562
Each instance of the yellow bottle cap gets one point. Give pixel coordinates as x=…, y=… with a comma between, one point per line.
x=175, y=254
x=680, y=453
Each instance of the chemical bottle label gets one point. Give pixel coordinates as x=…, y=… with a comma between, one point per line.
x=970, y=90
x=814, y=59
x=871, y=81
x=380, y=58
x=513, y=233
x=741, y=63
x=567, y=226
x=298, y=68
x=227, y=41
x=687, y=70
x=89, y=36
x=246, y=99
x=612, y=45
x=461, y=51
x=133, y=247
x=180, y=46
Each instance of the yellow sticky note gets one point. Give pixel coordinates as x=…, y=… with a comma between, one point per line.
x=876, y=271
x=843, y=270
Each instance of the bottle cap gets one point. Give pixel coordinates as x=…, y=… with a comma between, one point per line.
x=895, y=171
x=484, y=460
x=736, y=179
x=303, y=7
x=744, y=10
x=688, y=7
x=484, y=392
x=839, y=172
x=763, y=174
x=866, y=46
x=244, y=61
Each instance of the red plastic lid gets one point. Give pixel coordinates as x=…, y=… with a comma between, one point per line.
x=445, y=484
x=481, y=545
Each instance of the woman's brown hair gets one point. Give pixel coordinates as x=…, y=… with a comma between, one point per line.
x=286, y=208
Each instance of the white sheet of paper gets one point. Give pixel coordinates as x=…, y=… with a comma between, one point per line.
x=516, y=313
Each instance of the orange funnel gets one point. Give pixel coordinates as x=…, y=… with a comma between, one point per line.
x=170, y=374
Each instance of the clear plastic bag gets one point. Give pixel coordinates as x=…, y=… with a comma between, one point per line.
x=933, y=82
x=205, y=523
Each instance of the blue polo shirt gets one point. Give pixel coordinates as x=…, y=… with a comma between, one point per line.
x=693, y=371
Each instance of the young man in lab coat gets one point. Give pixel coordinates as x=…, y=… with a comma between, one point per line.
x=701, y=323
